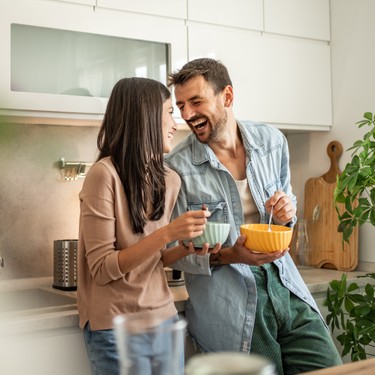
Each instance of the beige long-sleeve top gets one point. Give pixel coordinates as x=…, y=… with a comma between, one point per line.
x=103, y=290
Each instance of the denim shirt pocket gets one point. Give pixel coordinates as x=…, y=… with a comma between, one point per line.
x=272, y=188
x=218, y=209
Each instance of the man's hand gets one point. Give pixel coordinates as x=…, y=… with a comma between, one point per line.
x=283, y=208
x=238, y=253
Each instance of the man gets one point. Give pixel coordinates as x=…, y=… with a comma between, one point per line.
x=240, y=300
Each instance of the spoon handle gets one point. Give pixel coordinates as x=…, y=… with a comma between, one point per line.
x=270, y=220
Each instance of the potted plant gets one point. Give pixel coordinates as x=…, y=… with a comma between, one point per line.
x=351, y=311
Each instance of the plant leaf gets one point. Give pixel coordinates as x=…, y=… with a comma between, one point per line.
x=368, y=116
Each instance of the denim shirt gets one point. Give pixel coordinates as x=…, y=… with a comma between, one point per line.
x=222, y=299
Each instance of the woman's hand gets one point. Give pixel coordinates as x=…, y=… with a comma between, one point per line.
x=205, y=249
x=189, y=225
x=173, y=254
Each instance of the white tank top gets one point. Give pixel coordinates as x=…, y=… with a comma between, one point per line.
x=250, y=210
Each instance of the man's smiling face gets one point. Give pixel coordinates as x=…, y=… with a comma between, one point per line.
x=202, y=109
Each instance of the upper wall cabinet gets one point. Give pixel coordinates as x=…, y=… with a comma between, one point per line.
x=304, y=18
x=84, y=2
x=167, y=8
x=282, y=81
x=62, y=60
x=247, y=14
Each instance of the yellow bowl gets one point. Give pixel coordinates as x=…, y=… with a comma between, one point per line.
x=259, y=239
x=214, y=232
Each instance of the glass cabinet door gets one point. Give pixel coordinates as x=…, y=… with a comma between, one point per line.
x=60, y=60
x=55, y=61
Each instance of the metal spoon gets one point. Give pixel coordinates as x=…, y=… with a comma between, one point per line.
x=270, y=219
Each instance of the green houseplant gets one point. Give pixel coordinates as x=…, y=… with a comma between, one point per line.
x=355, y=189
x=351, y=311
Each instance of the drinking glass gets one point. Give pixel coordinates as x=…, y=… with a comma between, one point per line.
x=150, y=346
x=302, y=244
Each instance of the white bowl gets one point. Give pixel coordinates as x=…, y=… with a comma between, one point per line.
x=214, y=232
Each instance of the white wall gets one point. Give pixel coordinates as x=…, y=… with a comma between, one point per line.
x=37, y=206
x=353, y=85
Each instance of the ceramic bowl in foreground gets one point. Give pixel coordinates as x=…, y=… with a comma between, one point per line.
x=214, y=232
x=259, y=239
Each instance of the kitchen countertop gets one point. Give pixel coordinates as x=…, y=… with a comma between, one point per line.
x=365, y=367
x=35, y=322
x=46, y=320
x=316, y=279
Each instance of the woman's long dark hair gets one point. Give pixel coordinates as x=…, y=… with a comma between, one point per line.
x=131, y=134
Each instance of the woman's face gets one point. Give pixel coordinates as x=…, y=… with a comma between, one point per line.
x=169, y=125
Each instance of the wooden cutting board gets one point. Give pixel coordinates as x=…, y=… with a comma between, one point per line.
x=326, y=250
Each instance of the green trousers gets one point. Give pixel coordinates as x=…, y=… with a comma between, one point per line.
x=287, y=331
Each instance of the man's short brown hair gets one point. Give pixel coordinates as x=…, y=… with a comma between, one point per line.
x=213, y=71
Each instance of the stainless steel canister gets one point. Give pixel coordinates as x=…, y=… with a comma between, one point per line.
x=65, y=264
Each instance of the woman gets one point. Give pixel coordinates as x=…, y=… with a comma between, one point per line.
x=126, y=204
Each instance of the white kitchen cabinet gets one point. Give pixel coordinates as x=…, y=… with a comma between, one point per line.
x=85, y=22
x=246, y=14
x=59, y=352
x=283, y=81
x=167, y=8
x=83, y=2
x=280, y=69
x=303, y=18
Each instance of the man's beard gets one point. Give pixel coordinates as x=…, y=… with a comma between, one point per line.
x=218, y=129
